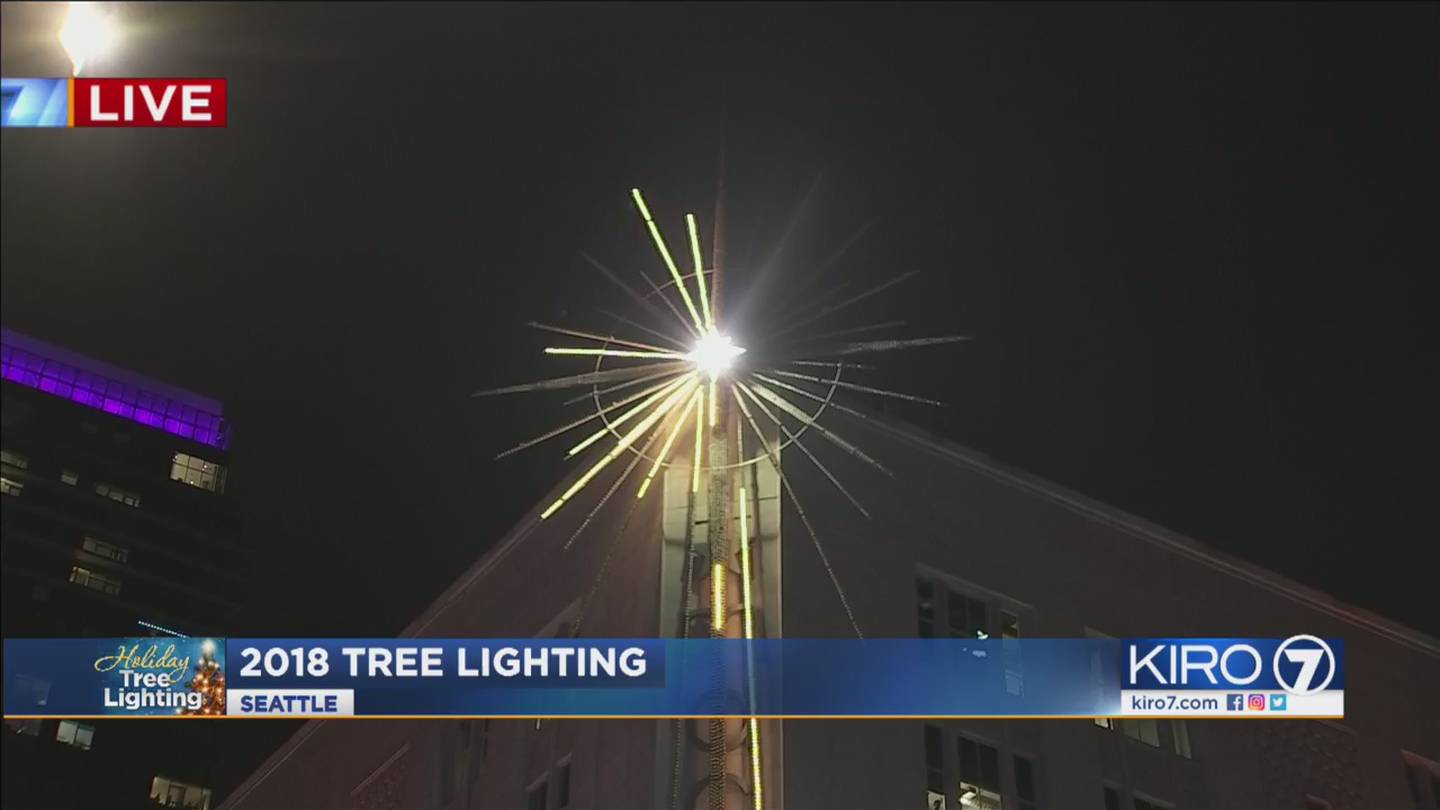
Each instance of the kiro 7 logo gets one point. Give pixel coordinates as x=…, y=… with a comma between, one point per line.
x=1300, y=665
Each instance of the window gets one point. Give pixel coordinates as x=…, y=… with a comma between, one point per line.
x=1025, y=783
x=1423, y=776
x=104, y=490
x=1317, y=803
x=14, y=459
x=197, y=472
x=1142, y=803
x=1180, y=734
x=170, y=793
x=109, y=551
x=76, y=734
x=94, y=581
x=10, y=486
x=536, y=798
x=979, y=776
x=925, y=605
x=30, y=728
x=934, y=769
x=69, y=477
x=1112, y=798
x=968, y=616
x=1144, y=729
x=562, y=785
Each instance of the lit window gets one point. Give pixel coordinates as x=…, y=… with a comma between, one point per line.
x=69, y=477
x=11, y=487
x=1025, y=783
x=979, y=776
x=934, y=769
x=94, y=581
x=197, y=472
x=109, y=551
x=15, y=459
x=170, y=793
x=117, y=494
x=76, y=734
x=536, y=798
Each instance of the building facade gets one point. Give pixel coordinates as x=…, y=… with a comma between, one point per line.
x=955, y=545
x=115, y=523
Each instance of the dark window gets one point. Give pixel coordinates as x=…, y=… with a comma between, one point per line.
x=968, y=617
x=925, y=602
x=1316, y=803
x=934, y=769
x=535, y=797
x=562, y=786
x=1025, y=783
x=1146, y=804
x=1112, y=798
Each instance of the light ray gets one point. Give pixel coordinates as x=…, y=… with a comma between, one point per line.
x=856, y=387
x=700, y=273
x=644, y=302
x=804, y=518
x=628, y=415
x=665, y=299
x=809, y=395
x=832, y=309
x=669, y=442
x=560, y=330
x=620, y=447
x=583, y=352
x=831, y=364
x=642, y=327
x=598, y=392
x=550, y=434
x=610, y=493
x=577, y=380
x=854, y=330
x=804, y=418
x=665, y=254
x=795, y=440
x=892, y=345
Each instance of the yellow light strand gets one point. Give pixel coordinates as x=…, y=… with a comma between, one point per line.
x=620, y=446
x=627, y=416
x=665, y=448
x=757, y=790
x=699, y=434
x=665, y=254
x=714, y=409
x=612, y=353
x=717, y=596
x=700, y=272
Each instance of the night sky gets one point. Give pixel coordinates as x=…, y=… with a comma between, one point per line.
x=1187, y=239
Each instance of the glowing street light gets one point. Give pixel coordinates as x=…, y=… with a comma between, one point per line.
x=87, y=34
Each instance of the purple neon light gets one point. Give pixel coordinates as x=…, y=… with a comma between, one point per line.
x=112, y=396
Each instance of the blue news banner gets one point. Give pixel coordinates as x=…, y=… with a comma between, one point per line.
x=194, y=677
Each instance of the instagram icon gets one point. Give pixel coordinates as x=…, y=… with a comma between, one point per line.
x=1255, y=703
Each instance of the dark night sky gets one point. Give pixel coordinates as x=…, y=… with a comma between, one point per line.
x=1188, y=240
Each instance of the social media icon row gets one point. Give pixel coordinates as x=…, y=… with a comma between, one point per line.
x=1255, y=703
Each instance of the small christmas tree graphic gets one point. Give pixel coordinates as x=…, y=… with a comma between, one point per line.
x=209, y=682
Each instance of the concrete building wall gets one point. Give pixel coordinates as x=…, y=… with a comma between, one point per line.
x=1062, y=564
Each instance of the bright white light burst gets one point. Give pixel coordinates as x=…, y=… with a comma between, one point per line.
x=714, y=354
x=87, y=34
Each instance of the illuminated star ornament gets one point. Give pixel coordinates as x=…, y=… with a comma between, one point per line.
x=678, y=372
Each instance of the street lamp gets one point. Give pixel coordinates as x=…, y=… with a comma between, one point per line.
x=87, y=34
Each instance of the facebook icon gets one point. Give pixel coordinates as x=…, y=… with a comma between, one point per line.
x=1235, y=702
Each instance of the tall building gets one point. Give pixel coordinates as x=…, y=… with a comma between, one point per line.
x=956, y=545
x=115, y=522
